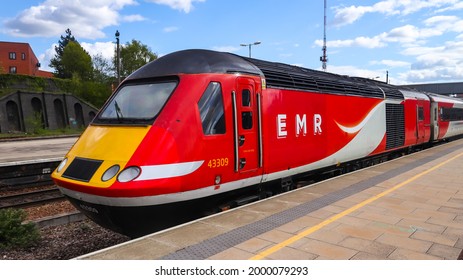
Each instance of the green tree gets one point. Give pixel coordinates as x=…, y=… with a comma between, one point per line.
x=102, y=69
x=14, y=232
x=76, y=62
x=55, y=62
x=133, y=55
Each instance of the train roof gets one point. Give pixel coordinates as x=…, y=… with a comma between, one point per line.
x=195, y=62
x=277, y=75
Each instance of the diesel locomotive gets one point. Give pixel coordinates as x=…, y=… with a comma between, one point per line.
x=196, y=126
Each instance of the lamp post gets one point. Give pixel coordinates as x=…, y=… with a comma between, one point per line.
x=251, y=44
x=118, y=64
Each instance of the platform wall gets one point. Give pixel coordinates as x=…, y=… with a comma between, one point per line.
x=27, y=112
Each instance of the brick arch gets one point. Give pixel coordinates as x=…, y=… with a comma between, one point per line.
x=13, y=117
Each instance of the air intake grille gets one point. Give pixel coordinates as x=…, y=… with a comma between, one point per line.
x=395, y=126
x=279, y=75
x=82, y=169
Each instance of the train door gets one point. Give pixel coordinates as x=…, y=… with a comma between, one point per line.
x=434, y=121
x=420, y=129
x=246, y=126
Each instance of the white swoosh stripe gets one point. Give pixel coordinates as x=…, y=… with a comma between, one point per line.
x=164, y=171
x=363, y=144
x=355, y=129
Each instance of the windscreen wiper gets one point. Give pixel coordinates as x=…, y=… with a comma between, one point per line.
x=119, y=114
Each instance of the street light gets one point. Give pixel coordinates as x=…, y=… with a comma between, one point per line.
x=118, y=66
x=246, y=45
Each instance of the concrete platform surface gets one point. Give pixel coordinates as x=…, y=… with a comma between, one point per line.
x=30, y=150
x=410, y=208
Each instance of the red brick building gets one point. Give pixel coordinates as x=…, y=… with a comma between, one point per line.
x=18, y=58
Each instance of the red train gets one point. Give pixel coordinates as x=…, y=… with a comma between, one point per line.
x=196, y=126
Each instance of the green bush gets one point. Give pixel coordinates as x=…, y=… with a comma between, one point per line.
x=34, y=123
x=14, y=232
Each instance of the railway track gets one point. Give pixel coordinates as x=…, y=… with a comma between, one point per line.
x=35, y=172
x=31, y=198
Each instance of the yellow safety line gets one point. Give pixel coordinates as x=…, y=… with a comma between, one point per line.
x=336, y=217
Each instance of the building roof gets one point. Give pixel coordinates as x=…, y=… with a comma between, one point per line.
x=453, y=89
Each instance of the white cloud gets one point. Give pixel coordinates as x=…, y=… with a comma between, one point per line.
x=285, y=55
x=230, y=49
x=424, y=59
x=421, y=50
x=183, y=5
x=432, y=75
x=363, y=42
x=106, y=49
x=403, y=34
x=435, y=63
x=170, y=29
x=86, y=19
x=46, y=57
x=456, y=6
x=407, y=35
x=348, y=15
x=391, y=63
x=352, y=71
x=133, y=18
x=445, y=23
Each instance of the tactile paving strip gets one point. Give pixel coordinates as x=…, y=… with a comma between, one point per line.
x=215, y=245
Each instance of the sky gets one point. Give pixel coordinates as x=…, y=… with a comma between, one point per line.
x=407, y=41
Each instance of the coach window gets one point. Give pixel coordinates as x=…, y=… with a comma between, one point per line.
x=211, y=110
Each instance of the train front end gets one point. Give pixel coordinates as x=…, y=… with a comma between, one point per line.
x=106, y=171
x=145, y=163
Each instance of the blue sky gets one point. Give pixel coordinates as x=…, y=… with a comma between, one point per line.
x=416, y=41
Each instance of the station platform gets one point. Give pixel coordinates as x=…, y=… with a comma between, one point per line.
x=34, y=150
x=410, y=208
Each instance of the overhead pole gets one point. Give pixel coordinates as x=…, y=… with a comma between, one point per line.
x=324, y=57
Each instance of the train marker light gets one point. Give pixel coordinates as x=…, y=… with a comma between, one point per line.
x=61, y=165
x=129, y=174
x=110, y=173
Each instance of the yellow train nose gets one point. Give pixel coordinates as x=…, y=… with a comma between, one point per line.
x=100, y=154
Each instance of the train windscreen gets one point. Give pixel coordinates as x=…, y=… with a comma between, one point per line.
x=136, y=103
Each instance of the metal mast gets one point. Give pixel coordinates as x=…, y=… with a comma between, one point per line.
x=324, y=58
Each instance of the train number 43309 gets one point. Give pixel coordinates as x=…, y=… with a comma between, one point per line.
x=218, y=162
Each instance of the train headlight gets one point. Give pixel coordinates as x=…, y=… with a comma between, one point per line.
x=129, y=174
x=110, y=173
x=61, y=165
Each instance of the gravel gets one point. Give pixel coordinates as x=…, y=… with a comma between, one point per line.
x=67, y=242
x=50, y=209
x=64, y=241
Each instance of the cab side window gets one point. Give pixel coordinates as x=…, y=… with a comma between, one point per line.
x=420, y=114
x=211, y=110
